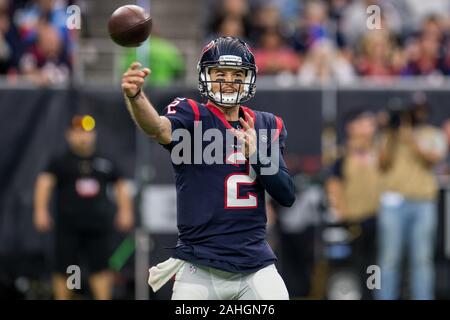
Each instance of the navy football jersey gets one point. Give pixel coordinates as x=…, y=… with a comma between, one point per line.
x=221, y=212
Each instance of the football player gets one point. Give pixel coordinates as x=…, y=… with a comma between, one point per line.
x=222, y=252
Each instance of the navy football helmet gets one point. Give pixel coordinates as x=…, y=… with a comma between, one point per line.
x=227, y=52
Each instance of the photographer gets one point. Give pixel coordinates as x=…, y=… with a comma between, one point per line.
x=353, y=190
x=410, y=148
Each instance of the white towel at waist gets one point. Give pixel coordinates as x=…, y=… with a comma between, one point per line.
x=163, y=272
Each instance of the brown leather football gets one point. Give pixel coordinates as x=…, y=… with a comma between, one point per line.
x=130, y=26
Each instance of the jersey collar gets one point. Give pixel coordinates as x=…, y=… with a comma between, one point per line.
x=219, y=114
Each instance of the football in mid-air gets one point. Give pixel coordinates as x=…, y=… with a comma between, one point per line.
x=130, y=26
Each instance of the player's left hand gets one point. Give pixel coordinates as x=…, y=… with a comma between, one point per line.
x=124, y=221
x=247, y=136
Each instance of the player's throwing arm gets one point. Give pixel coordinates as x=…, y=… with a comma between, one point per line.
x=140, y=108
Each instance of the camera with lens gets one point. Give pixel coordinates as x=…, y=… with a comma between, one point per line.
x=397, y=116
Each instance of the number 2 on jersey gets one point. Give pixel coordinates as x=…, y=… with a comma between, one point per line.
x=171, y=107
x=232, y=183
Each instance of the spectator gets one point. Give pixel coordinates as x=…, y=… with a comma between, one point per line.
x=419, y=10
x=324, y=63
x=353, y=190
x=28, y=18
x=235, y=8
x=424, y=57
x=273, y=56
x=408, y=216
x=227, y=16
x=229, y=26
x=9, y=41
x=379, y=57
x=163, y=57
x=46, y=61
x=266, y=17
x=433, y=27
x=335, y=13
x=354, y=19
x=289, y=11
x=313, y=26
x=428, y=53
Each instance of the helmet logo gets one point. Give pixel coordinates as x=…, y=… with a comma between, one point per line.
x=248, y=48
x=207, y=47
x=230, y=60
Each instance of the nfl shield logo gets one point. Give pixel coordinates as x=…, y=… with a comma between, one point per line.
x=192, y=268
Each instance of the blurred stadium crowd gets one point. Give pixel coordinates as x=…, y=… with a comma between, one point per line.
x=317, y=41
x=35, y=42
x=329, y=40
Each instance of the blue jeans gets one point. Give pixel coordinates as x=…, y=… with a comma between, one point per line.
x=410, y=224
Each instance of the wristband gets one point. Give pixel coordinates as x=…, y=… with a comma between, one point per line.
x=133, y=97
